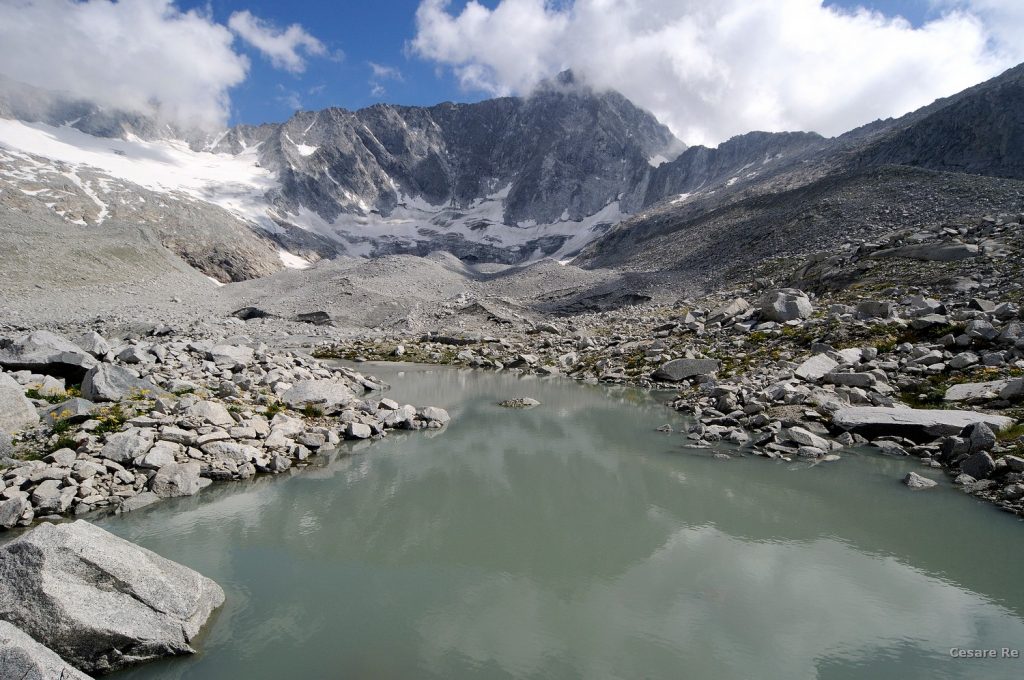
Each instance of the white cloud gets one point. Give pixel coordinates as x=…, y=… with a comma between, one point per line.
x=280, y=46
x=713, y=70
x=380, y=74
x=138, y=55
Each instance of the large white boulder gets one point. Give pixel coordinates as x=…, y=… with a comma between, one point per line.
x=99, y=601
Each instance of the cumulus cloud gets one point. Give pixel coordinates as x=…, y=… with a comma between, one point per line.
x=137, y=55
x=282, y=47
x=713, y=70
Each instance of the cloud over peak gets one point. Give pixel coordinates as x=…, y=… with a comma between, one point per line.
x=143, y=56
x=282, y=47
x=713, y=70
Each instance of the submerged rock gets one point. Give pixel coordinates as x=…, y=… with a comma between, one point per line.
x=101, y=602
x=916, y=481
x=519, y=402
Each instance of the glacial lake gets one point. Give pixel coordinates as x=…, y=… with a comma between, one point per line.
x=574, y=541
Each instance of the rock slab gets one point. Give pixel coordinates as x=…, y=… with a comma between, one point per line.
x=100, y=602
x=914, y=423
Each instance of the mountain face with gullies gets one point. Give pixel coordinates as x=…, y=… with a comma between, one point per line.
x=565, y=172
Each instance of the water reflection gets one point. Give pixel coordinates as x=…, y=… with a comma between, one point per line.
x=572, y=540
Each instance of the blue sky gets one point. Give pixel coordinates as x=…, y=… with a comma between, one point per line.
x=377, y=32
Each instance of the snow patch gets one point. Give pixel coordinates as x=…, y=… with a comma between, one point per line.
x=235, y=183
x=292, y=261
x=306, y=149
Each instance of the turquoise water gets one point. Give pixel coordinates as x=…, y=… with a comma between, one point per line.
x=574, y=541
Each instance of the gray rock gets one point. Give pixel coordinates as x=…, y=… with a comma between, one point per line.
x=916, y=481
x=785, y=304
x=11, y=511
x=74, y=410
x=807, y=438
x=913, y=423
x=816, y=368
x=47, y=497
x=16, y=411
x=99, y=601
x=931, y=252
x=108, y=382
x=985, y=391
x=176, y=479
x=135, y=355
x=1014, y=389
x=358, y=431
x=22, y=658
x=47, y=353
x=681, y=369
x=315, y=318
x=231, y=355
x=729, y=310
x=94, y=344
x=228, y=450
x=980, y=436
x=122, y=447
x=144, y=499
x=157, y=457
x=863, y=380
x=435, y=415
x=1015, y=463
x=980, y=465
x=211, y=412
x=519, y=402
x=328, y=395
x=871, y=309
x=61, y=457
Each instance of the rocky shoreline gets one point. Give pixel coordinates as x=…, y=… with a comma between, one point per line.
x=933, y=369
x=91, y=425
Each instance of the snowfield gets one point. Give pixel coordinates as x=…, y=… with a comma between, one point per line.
x=238, y=184
x=235, y=183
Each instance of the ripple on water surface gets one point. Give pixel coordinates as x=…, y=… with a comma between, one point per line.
x=573, y=541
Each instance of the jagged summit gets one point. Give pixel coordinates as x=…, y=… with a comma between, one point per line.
x=563, y=171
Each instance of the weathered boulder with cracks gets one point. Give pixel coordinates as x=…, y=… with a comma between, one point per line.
x=100, y=602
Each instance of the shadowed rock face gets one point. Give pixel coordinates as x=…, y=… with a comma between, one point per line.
x=23, y=658
x=979, y=131
x=563, y=152
x=101, y=602
x=789, y=191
